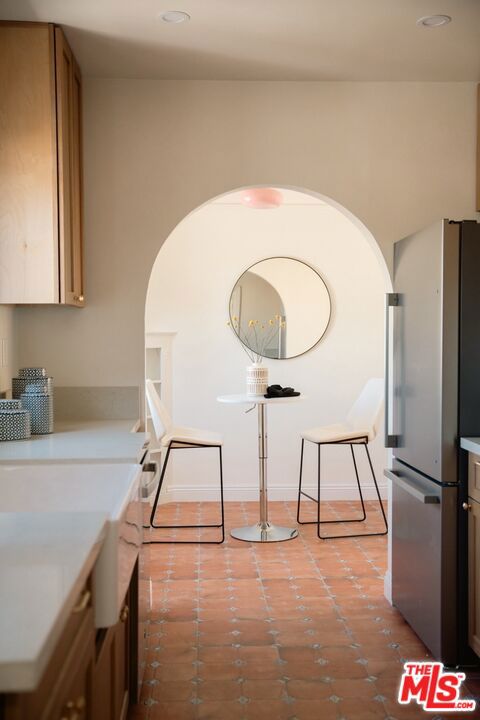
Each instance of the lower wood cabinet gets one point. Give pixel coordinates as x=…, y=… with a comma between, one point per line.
x=92, y=674
x=65, y=690
x=112, y=675
x=474, y=575
x=474, y=476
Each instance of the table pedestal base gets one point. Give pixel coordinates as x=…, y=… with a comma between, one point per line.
x=264, y=532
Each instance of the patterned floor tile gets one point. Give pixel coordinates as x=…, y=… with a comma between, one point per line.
x=283, y=631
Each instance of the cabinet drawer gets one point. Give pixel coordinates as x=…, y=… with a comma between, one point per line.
x=66, y=666
x=73, y=697
x=111, y=671
x=474, y=476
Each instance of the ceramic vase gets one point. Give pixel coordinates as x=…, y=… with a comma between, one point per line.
x=257, y=379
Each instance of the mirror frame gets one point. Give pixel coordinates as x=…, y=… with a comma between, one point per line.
x=283, y=257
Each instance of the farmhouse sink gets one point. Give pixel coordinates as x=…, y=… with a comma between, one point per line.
x=111, y=489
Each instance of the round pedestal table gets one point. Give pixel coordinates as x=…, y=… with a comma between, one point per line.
x=263, y=531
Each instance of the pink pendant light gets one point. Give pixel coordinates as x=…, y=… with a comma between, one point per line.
x=261, y=198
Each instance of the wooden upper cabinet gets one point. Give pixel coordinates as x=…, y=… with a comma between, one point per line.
x=40, y=167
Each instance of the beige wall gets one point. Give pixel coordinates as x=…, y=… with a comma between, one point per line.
x=8, y=355
x=397, y=155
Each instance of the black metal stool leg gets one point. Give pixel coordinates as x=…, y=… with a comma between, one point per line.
x=348, y=520
x=160, y=483
x=363, y=440
x=318, y=492
x=378, y=493
x=357, y=535
x=221, y=496
x=300, y=491
x=177, y=445
x=358, y=483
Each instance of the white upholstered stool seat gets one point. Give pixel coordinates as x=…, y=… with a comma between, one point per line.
x=194, y=435
x=335, y=433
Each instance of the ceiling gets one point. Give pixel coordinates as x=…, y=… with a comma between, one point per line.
x=266, y=39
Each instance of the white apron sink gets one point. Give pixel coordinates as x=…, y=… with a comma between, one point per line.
x=113, y=489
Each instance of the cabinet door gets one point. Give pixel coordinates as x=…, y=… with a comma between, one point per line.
x=474, y=476
x=76, y=256
x=474, y=575
x=28, y=165
x=103, y=706
x=122, y=663
x=77, y=703
x=111, y=675
x=69, y=171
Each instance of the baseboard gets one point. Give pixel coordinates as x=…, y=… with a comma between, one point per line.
x=195, y=493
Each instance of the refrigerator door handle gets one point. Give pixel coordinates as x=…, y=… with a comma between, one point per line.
x=412, y=489
x=392, y=300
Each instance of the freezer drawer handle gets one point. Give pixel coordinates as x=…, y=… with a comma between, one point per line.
x=392, y=300
x=412, y=489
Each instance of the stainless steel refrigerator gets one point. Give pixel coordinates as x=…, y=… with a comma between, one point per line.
x=433, y=399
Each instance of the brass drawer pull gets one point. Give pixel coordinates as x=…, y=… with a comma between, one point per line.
x=78, y=298
x=124, y=613
x=466, y=506
x=81, y=703
x=73, y=710
x=82, y=604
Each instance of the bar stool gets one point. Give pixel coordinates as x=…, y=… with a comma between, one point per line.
x=174, y=437
x=360, y=428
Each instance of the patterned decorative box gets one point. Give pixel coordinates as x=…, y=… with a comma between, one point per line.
x=32, y=372
x=14, y=425
x=40, y=405
x=10, y=405
x=45, y=384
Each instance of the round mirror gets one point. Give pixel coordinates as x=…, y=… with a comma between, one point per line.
x=280, y=308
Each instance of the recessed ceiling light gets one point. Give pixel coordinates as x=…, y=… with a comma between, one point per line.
x=174, y=16
x=434, y=21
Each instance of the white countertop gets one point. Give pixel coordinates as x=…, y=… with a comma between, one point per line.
x=472, y=444
x=45, y=559
x=87, y=441
x=109, y=488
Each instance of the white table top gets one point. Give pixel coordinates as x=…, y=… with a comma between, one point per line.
x=244, y=399
x=86, y=441
x=45, y=558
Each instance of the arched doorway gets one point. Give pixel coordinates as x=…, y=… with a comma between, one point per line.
x=187, y=314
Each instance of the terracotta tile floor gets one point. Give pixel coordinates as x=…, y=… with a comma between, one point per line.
x=297, y=630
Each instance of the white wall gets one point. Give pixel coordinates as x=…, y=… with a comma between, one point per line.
x=189, y=294
x=398, y=155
